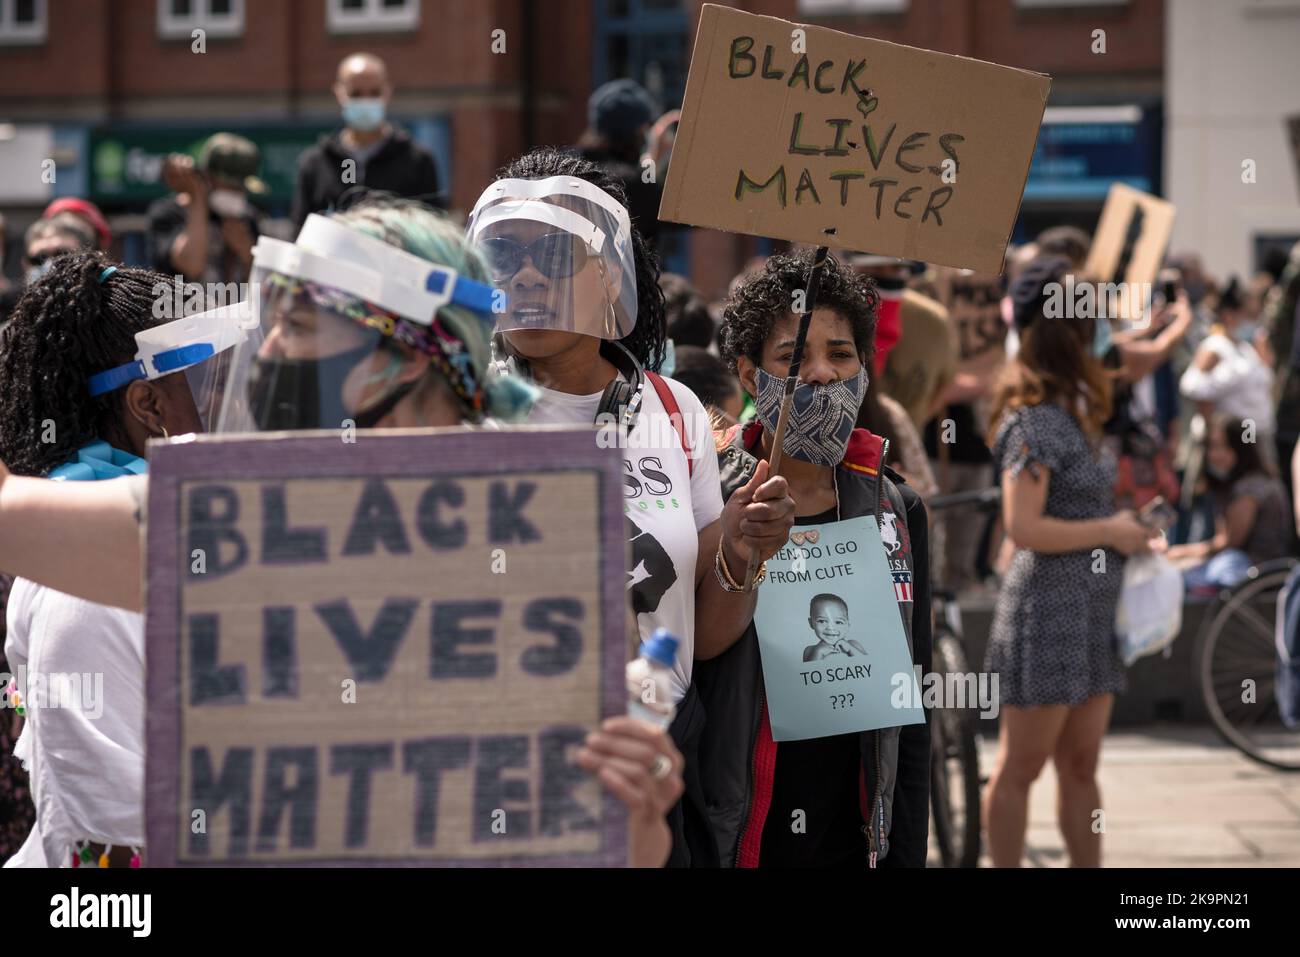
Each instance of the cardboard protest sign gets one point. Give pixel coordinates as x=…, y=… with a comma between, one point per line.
x=383, y=652
x=812, y=135
x=974, y=303
x=830, y=635
x=1129, y=246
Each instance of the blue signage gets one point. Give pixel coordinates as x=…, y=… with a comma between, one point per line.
x=1080, y=160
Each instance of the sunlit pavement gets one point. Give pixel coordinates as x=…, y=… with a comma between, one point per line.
x=1174, y=796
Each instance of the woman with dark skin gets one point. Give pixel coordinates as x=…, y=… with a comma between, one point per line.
x=87, y=769
x=586, y=314
x=864, y=797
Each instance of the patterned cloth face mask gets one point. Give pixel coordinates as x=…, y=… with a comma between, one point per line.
x=821, y=416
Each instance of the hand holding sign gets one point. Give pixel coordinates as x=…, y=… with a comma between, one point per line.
x=757, y=518
x=623, y=755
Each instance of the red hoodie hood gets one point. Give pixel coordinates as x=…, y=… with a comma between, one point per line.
x=863, y=454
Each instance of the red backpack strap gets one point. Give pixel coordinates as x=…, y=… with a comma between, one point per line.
x=674, y=415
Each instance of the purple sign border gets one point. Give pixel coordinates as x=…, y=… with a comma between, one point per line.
x=435, y=453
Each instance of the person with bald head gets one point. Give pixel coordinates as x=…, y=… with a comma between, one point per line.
x=367, y=150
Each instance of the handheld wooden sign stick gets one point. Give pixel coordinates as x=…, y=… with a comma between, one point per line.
x=791, y=380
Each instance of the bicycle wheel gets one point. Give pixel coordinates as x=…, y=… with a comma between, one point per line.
x=1238, y=671
x=954, y=765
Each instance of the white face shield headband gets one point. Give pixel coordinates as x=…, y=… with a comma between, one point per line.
x=324, y=305
x=196, y=345
x=561, y=250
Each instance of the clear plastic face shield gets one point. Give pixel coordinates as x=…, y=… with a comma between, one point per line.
x=561, y=250
x=333, y=310
x=199, y=346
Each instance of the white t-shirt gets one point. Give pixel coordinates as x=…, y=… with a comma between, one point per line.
x=665, y=508
x=1240, y=385
x=84, y=751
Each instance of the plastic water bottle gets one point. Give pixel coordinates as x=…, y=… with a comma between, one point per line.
x=650, y=680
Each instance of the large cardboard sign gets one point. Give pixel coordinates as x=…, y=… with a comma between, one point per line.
x=385, y=651
x=1129, y=245
x=812, y=135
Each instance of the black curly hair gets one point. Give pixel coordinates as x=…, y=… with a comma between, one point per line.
x=767, y=296
x=646, y=340
x=65, y=328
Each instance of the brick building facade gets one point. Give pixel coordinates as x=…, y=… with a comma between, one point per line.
x=106, y=88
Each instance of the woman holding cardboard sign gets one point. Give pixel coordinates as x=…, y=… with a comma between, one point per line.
x=586, y=321
x=849, y=799
x=343, y=336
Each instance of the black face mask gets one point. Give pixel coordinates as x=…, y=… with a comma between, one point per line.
x=289, y=394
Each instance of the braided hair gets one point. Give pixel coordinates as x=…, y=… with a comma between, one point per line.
x=65, y=328
x=646, y=340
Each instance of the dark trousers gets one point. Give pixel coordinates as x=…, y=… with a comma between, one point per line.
x=693, y=841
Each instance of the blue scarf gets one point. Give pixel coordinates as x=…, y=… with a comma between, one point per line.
x=97, y=461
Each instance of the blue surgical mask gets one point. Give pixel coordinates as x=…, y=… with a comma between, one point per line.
x=669, y=365
x=1101, y=337
x=364, y=113
x=1245, y=331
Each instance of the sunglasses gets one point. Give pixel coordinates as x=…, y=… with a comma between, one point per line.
x=555, y=255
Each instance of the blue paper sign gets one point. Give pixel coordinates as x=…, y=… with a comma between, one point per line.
x=831, y=635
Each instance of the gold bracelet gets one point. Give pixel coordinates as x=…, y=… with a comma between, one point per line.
x=730, y=584
x=722, y=581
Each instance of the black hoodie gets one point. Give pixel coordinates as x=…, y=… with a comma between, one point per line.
x=400, y=166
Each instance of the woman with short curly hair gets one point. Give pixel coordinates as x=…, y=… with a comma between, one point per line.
x=863, y=797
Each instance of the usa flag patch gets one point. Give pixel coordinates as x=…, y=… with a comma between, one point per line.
x=903, y=586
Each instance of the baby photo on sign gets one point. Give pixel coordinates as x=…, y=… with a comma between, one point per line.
x=830, y=631
x=828, y=617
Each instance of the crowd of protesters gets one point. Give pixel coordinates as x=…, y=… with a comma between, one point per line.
x=956, y=382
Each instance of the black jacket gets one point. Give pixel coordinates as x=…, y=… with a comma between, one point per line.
x=401, y=166
x=642, y=198
x=737, y=756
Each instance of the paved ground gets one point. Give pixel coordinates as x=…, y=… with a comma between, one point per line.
x=1176, y=796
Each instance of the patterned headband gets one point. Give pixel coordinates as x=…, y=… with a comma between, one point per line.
x=448, y=353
